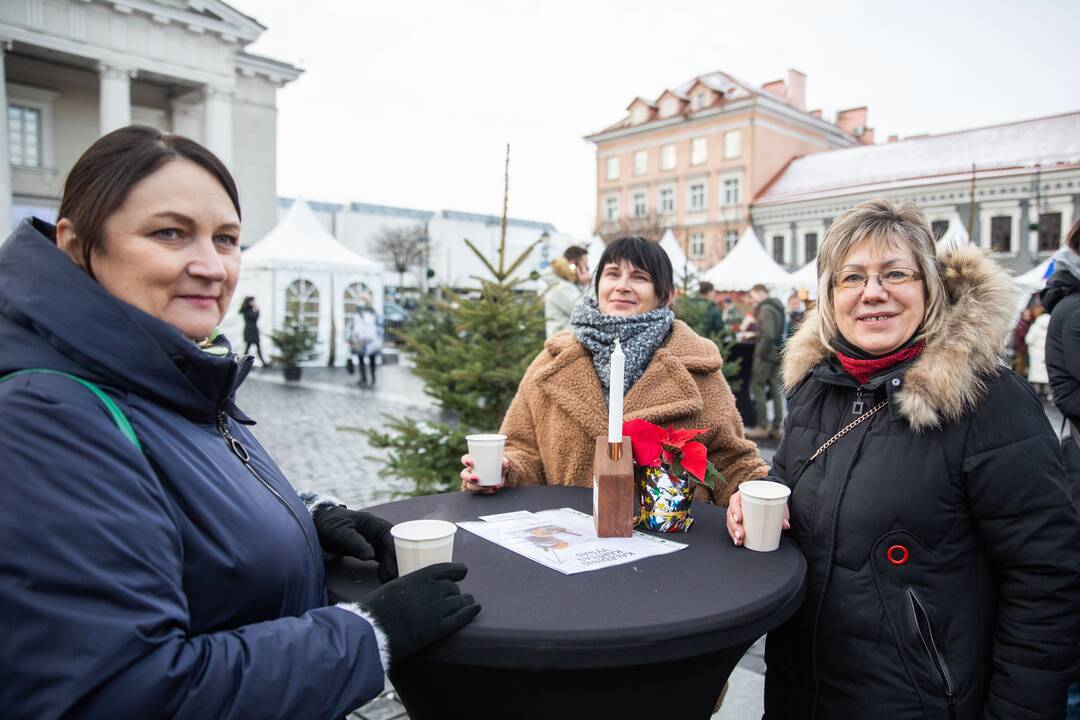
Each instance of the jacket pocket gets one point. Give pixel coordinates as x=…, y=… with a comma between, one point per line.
x=925, y=635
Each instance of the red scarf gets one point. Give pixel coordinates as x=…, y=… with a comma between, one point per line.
x=863, y=370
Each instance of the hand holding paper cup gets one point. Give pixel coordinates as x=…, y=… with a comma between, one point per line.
x=763, y=505
x=487, y=456
x=419, y=543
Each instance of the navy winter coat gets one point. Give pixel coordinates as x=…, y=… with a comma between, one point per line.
x=941, y=544
x=170, y=582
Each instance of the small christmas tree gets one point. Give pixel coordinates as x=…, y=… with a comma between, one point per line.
x=471, y=354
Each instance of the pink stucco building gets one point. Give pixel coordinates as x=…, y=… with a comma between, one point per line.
x=694, y=158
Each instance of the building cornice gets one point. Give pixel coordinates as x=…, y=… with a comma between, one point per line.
x=835, y=136
x=276, y=71
x=965, y=177
x=232, y=27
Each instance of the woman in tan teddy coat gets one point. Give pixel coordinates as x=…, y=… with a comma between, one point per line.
x=672, y=378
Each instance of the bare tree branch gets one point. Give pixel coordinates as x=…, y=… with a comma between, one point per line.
x=402, y=247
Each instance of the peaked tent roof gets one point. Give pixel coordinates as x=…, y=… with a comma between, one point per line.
x=806, y=277
x=596, y=249
x=675, y=253
x=300, y=241
x=747, y=265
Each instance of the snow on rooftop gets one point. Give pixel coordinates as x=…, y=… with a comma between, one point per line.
x=1048, y=142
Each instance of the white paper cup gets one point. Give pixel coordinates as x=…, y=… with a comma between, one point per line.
x=763, y=504
x=487, y=455
x=419, y=543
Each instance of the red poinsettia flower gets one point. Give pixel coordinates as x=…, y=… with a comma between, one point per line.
x=654, y=445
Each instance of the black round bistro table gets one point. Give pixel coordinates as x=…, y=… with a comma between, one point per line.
x=656, y=638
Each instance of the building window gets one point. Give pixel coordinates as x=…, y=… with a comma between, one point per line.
x=732, y=144
x=641, y=162
x=939, y=228
x=697, y=151
x=639, y=205
x=302, y=303
x=1049, y=231
x=1001, y=233
x=697, y=245
x=613, y=168
x=810, y=246
x=667, y=201
x=778, y=248
x=697, y=196
x=700, y=100
x=24, y=136
x=611, y=208
x=667, y=157
x=731, y=191
x=730, y=238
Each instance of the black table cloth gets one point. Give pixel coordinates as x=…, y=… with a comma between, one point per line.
x=576, y=645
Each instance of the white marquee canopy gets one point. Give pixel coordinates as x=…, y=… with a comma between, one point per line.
x=747, y=265
x=300, y=264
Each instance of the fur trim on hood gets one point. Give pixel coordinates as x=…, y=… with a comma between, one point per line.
x=948, y=378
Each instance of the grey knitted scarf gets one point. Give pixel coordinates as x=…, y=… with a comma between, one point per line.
x=639, y=336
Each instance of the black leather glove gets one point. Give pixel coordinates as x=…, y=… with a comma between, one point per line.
x=357, y=534
x=419, y=608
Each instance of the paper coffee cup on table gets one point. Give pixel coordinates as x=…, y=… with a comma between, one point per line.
x=487, y=455
x=419, y=543
x=763, y=504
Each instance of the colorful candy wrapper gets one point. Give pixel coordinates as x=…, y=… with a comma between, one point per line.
x=665, y=500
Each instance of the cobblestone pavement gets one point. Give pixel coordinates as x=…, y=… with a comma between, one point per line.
x=310, y=430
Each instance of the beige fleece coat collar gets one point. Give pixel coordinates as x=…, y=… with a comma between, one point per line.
x=948, y=378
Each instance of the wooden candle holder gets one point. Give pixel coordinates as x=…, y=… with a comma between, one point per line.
x=614, y=501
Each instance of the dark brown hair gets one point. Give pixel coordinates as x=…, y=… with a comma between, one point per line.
x=1072, y=240
x=644, y=255
x=573, y=252
x=101, y=179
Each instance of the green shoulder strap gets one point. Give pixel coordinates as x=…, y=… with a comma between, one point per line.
x=117, y=415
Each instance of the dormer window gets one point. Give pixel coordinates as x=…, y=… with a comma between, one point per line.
x=701, y=100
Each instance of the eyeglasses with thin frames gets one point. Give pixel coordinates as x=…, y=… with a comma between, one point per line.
x=891, y=277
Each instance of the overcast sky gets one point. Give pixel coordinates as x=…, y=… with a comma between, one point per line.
x=411, y=103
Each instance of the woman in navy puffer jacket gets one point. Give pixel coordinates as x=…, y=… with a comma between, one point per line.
x=169, y=571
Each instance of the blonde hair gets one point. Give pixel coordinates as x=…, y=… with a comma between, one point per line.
x=892, y=225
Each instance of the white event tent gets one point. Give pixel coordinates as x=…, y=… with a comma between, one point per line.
x=806, y=278
x=679, y=262
x=300, y=264
x=596, y=249
x=747, y=265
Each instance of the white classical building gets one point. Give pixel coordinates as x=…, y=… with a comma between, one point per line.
x=1025, y=177
x=75, y=69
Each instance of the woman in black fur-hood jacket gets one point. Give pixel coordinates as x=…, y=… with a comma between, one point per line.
x=941, y=544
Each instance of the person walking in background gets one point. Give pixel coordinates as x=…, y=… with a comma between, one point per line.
x=795, y=312
x=571, y=270
x=156, y=560
x=1036, y=346
x=250, y=312
x=1061, y=298
x=713, y=323
x=366, y=340
x=927, y=494
x=765, y=372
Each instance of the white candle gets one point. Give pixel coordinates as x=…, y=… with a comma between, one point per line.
x=615, y=394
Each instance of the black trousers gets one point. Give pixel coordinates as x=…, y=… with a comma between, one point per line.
x=363, y=370
x=258, y=349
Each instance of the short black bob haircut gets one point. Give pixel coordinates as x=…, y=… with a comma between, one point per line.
x=644, y=255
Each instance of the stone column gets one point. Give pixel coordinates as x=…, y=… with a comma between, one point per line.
x=219, y=120
x=5, y=154
x=114, y=96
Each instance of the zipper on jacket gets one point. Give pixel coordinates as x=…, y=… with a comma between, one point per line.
x=241, y=452
x=926, y=635
x=859, y=406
